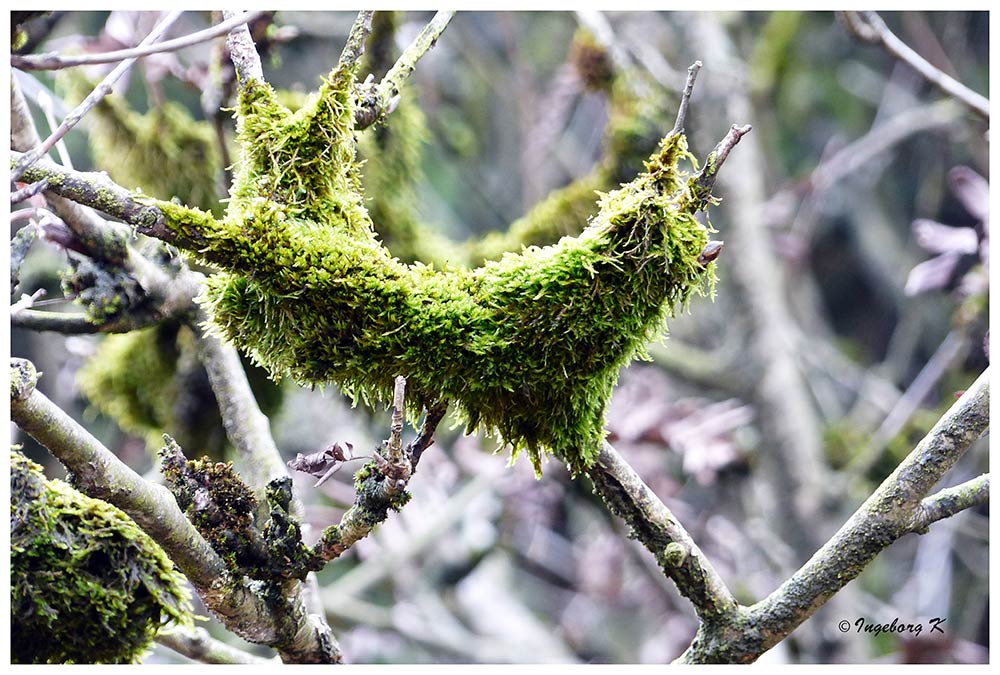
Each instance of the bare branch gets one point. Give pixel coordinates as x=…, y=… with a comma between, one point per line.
x=28, y=191
x=242, y=50
x=54, y=61
x=372, y=108
x=355, y=45
x=895, y=509
x=950, y=501
x=686, y=97
x=627, y=496
x=102, y=90
x=198, y=645
x=869, y=27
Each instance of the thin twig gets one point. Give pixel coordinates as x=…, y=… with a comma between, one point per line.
x=394, y=449
x=705, y=180
x=386, y=92
x=686, y=97
x=198, y=645
x=102, y=90
x=28, y=191
x=54, y=61
x=25, y=302
x=948, y=502
x=870, y=27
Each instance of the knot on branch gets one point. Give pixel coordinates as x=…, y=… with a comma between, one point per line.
x=23, y=378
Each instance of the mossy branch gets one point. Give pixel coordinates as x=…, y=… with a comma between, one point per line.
x=380, y=485
x=286, y=626
x=895, y=509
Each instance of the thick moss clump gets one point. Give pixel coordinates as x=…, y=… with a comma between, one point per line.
x=87, y=585
x=528, y=347
x=150, y=381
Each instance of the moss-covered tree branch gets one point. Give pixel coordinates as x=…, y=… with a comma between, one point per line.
x=280, y=623
x=895, y=509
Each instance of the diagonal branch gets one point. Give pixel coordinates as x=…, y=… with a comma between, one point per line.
x=627, y=496
x=102, y=90
x=54, y=61
x=870, y=27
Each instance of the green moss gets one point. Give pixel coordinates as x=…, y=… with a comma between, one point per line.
x=151, y=381
x=528, y=347
x=165, y=152
x=87, y=585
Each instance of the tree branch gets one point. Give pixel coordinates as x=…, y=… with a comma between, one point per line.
x=56, y=61
x=102, y=90
x=298, y=636
x=198, y=645
x=373, y=108
x=242, y=50
x=892, y=511
x=246, y=426
x=869, y=27
x=628, y=497
x=948, y=502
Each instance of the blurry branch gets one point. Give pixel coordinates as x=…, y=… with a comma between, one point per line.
x=103, y=241
x=869, y=27
x=79, y=324
x=25, y=302
x=790, y=429
x=54, y=61
x=707, y=368
x=354, y=582
x=28, y=191
x=895, y=509
x=652, y=523
x=198, y=645
x=948, y=502
x=102, y=90
x=97, y=472
x=881, y=138
x=953, y=346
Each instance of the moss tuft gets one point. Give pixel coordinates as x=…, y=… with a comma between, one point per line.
x=87, y=585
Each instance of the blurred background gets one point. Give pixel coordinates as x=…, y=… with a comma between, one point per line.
x=852, y=305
